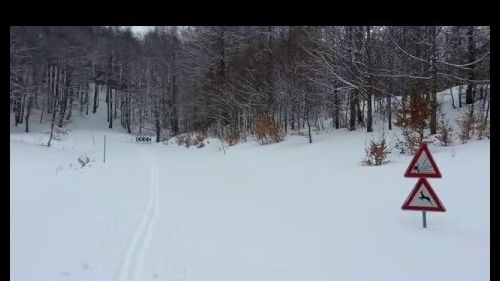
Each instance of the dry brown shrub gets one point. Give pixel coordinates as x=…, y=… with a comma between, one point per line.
x=232, y=138
x=376, y=153
x=466, y=123
x=482, y=128
x=413, y=120
x=444, y=131
x=190, y=139
x=267, y=130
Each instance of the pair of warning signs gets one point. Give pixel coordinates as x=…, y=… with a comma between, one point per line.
x=423, y=197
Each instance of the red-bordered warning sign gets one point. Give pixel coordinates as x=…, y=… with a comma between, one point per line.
x=423, y=165
x=423, y=198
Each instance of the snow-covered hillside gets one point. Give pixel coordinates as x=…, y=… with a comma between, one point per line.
x=287, y=211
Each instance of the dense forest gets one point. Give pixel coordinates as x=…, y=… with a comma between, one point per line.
x=225, y=80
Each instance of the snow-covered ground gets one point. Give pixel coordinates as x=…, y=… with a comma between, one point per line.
x=288, y=211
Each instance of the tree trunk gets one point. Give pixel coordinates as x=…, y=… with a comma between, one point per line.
x=14, y=108
x=49, y=93
x=82, y=99
x=107, y=104
x=452, y=98
x=352, y=110
x=308, y=126
x=285, y=119
x=389, y=112
x=21, y=112
x=486, y=115
x=460, y=96
x=50, y=88
x=336, y=104
x=110, y=108
x=358, y=110
x=369, y=116
x=175, y=118
x=96, y=95
x=369, y=113
x=128, y=113
x=28, y=111
x=433, y=123
x=54, y=111
x=116, y=95
x=87, y=99
x=485, y=96
x=54, y=105
x=30, y=102
x=157, y=126
x=64, y=94
x=404, y=98
x=122, y=108
x=469, y=94
x=41, y=115
x=141, y=122
x=70, y=103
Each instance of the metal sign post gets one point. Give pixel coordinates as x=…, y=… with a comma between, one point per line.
x=424, y=219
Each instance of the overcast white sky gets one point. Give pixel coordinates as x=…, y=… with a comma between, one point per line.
x=140, y=30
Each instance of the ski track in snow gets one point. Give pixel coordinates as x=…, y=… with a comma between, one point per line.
x=133, y=261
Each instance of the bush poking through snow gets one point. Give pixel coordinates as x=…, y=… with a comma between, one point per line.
x=60, y=134
x=413, y=120
x=482, y=128
x=61, y=130
x=376, y=153
x=444, y=131
x=412, y=141
x=183, y=140
x=267, y=130
x=83, y=160
x=466, y=123
x=232, y=138
x=191, y=139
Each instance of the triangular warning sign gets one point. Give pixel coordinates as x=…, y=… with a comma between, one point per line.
x=423, y=165
x=423, y=198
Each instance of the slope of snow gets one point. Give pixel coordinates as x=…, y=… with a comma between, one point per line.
x=446, y=101
x=288, y=211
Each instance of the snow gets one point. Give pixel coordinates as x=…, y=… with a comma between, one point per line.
x=287, y=211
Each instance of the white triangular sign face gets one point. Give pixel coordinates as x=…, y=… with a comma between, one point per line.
x=423, y=198
x=423, y=165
